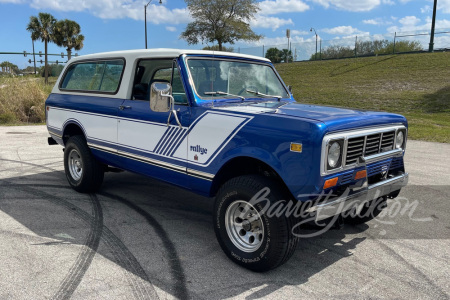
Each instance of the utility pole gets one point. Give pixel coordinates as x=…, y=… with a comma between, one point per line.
x=145, y=19
x=288, y=35
x=433, y=23
x=34, y=57
x=315, y=54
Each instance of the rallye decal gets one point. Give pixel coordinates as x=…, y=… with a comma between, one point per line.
x=197, y=145
x=209, y=136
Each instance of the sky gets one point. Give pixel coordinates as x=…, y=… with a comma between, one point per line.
x=110, y=25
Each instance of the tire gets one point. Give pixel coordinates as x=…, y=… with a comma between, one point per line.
x=369, y=212
x=273, y=242
x=84, y=173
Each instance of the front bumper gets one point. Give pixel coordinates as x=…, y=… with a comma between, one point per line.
x=334, y=206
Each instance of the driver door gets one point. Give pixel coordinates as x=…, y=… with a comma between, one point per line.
x=146, y=139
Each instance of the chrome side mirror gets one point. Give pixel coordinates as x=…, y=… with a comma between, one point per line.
x=290, y=88
x=160, y=98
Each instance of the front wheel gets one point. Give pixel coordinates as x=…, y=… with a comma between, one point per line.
x=84, y=173
x=244, y=229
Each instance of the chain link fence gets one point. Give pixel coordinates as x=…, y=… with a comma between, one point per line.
x=356, y=46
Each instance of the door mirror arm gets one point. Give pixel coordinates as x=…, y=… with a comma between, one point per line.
x=161, y=100
x=172, y=109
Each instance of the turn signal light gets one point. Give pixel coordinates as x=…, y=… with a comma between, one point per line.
x=330, y=183
x=360, y=174
x=296, y=147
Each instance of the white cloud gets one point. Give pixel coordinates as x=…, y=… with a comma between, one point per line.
x=299, y=32
x=115, y=9
x=269, y=22
x=372, y=22
x=388, y=2
x=342, y=30
x=444, y=5
x=378, y=21
x=419, y=28
x=278, y=41
x=171, y=28
x=409, y=21
x=350, y=5
x=269, y=7
x=426, y=9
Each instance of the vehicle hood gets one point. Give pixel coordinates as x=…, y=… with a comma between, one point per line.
x=337, y=119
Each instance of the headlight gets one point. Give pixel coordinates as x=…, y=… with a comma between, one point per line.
x=334, y=153
x=399, y=140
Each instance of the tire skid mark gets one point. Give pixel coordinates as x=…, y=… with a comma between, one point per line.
x=395, y=276
x=85, y=257
x=57, y=186
x=123, y=257
x=33, y=167
x=362, y=262
x=31, y=164
x=441, y=294
x=176, y=268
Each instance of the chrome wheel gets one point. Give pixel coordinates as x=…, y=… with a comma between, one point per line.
x=244, y=226
x=75, y=165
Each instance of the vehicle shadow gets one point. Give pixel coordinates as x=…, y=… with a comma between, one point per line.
x=437, y=102
x=351, y=67
x=156, y=232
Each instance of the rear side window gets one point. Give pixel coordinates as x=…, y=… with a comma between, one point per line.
x=94, y=76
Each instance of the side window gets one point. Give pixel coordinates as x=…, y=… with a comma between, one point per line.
x=164, y=75
x=95, y=76
x=158, y=70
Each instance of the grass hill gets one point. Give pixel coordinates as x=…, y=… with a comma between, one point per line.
x=415, y=85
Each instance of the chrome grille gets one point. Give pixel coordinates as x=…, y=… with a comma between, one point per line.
x=369, y=145
x=372, y=144
x=387, y=142
x=355, y=149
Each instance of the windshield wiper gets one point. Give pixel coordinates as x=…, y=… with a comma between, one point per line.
x=264, y=95
x=223, y=93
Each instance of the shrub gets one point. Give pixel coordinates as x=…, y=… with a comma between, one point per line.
x=22, y=100
x=7, y=118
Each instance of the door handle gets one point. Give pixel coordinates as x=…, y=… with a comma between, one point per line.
x=122, y=107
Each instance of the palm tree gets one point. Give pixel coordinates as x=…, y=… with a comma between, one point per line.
x=67, y=35
x=42, y=28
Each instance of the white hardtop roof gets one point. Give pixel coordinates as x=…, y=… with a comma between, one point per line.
x=161, y=52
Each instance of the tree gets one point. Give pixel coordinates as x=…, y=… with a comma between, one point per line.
x=402, y=46
x=42, y=28
x=366, y=48
x=224, y=21
x=274, y=55
x=286, y=55
x=8, y=67
x=216, y=48
x=67, y=35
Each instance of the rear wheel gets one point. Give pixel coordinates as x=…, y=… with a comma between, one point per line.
x=84, y=173
x=246, y=233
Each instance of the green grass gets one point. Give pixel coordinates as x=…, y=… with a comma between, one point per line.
x=415, y=85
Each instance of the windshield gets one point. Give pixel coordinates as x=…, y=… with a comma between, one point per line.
x=214, y=78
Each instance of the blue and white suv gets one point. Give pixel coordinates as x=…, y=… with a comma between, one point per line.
x=225, y=125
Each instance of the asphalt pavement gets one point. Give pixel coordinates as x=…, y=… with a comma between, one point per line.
x=139, y=238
